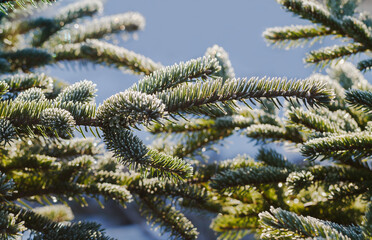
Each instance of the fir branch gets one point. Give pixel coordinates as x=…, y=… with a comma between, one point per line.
x=194, y=194
x=20, y=82
x=233, y=227
x=295, y=35
x=96, y=29
x=56, y=213
x=168, y=218
x=26, y=59
x=273, y=158
x=358, y=30
x=65, y=16
x=248, y=176
x=314, y=12
x=7, y=5
x=204, y=172
x=130, y=150
x=365, y=65
x=57, y=122
x=61, y=148
x=10, y=227
x=348, y=76
x=358, y=145
x=283, y=223
x=129, y=108
x=267, y=132
x=313, y=121
x=6, y=187
x=31, y=94
x=107, y=54
x=51, y=230
x=171, y=76
x=360, y=99
x=222, y=56
x=325, y=55
x=187, y=95
x=82, y=92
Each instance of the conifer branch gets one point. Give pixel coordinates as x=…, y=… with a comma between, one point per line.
x=49, y=230
x=100, y=52
x=96, y=29
x=273, y=158
x=267, y=132
x=168, y=218
x=365, y=65
x=66, y=16
x=129, y=108
x=130, y=150
x=295, y=35
x=6, y=5
x=360, y=99
x=26, y=59
x=283, y=223
x=248, y=176
x=325, y=55
x=222, y=56
x=171, y=76
x=313, y=121
x=348, y=76
x=21, y=82
x=358, y=145
x=83, y=92
x=187, y=95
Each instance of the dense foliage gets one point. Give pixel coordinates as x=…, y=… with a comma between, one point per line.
x=189, y=107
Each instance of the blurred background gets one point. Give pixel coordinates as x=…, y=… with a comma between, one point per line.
x=178, y=31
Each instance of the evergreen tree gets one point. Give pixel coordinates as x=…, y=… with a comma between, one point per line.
x=190, y=106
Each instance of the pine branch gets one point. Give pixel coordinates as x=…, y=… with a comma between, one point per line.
x=6, y=5
x=273, y=158
x=21, y=82
x=129, y=108
x=171, y=76
x=267, y=133
x=56, y=213
x=100, y=52
x=365, y=65
x=26, y=59
x=66, y=16
x=130, y=150
x=62, y=148
x=204, y=172
x=222, y=56
x=295, y=35
x=313, y=121
x=325, y=55
x=289, y=225
x=31, y=94
x=248, y=176
x=51, y=230
x=360, y=99
x=168, y=218
x=358, y=145
x=96, y=29
x=231, y=227
x=10, y=228
x=83, y=92
x=187, y=95
x=348, y=76
x=314, y=12
x=192, y=193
